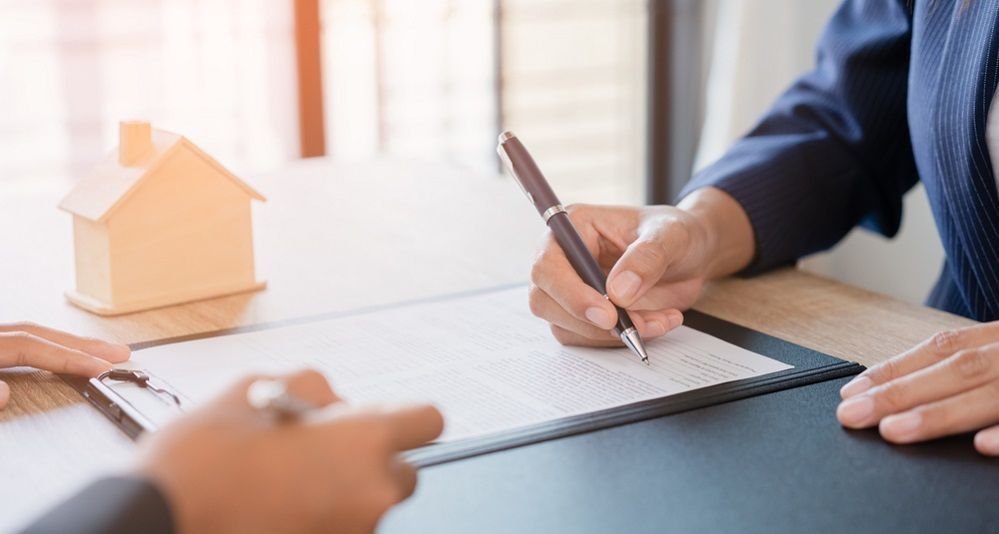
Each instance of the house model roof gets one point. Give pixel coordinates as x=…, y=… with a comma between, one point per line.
x=141, y=151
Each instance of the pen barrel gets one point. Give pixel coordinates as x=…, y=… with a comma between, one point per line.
x=582, y=260
x=528, y=174
x=576, y=250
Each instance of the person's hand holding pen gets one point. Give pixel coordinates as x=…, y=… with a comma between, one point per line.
x=269, y=454
x=30, y=345
x=657, y=258
x=229, y=467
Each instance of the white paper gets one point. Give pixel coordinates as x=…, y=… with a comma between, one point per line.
x=483, y=360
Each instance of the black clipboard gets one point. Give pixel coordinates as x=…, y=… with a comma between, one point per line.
x=776, y=463
x=809, y=367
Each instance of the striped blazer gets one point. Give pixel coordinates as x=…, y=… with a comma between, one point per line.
x=900, y=92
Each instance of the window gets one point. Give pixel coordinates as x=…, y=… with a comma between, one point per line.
x=434, y=79
x=217, y=71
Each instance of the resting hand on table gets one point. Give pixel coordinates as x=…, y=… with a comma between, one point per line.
x=31, y=345
x=948, y=384
x=227, y=467
x=657, y=258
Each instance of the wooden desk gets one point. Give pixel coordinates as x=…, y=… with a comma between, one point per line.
x=335, y=237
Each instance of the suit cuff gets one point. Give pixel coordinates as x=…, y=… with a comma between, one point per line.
x=757, y=200
x=110, y=506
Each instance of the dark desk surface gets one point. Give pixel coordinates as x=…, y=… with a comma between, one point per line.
x=775, y=463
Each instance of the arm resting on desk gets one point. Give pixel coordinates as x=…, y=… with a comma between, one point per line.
x=833, y=151
x=109, y=506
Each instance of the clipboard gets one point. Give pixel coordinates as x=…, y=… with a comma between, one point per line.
x=138, y=403
x=102, y=392
x=776, y=463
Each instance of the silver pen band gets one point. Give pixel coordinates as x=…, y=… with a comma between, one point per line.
x=271, y=395
x=552, y=211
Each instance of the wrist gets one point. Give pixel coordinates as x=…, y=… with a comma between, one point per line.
x=729, y=242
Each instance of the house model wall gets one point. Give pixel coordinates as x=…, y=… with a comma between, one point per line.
x=159, y=222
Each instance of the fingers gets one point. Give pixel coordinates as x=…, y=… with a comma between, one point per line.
x=404, y=476
x=963, y=371
x=674, y=295
x=308, y=385
x=650, y=324
x=545, y=307
x=4, y=394
x=645, y=261
x=579, y=314
x=413, y=426
x=987, y=441
x=568, y=337
x=647, y=323
x=554, y=276
x=312, y=387
x=23, y=349
x=938, y=347
x=964, y=412
x=111, y=352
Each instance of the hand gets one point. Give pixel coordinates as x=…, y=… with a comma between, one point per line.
x=949, y=384
x=31, y=345
x=229, y=468
x=657, y=258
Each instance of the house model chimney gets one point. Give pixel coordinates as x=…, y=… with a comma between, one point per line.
x=135, y=139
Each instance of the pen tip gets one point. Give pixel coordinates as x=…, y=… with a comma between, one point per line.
x=633, y=341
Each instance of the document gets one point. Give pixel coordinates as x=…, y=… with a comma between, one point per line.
x=483, y=360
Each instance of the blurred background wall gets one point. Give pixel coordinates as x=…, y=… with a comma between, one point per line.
x=425, y=79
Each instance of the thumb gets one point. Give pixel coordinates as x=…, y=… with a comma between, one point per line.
x=639, y=268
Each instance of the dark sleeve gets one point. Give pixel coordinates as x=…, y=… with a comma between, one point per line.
x=833, y=151
x=109, y=506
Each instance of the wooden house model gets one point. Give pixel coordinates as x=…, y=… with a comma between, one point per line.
x=159, y=222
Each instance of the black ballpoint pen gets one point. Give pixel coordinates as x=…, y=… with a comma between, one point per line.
x=526, y=172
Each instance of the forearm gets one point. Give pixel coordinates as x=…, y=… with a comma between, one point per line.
x=833, y=151
x=730, y=234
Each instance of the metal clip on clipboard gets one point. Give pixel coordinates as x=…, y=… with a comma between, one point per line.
x=100, y=393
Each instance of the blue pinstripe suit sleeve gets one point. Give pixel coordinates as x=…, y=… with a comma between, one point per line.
x=833, y=151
